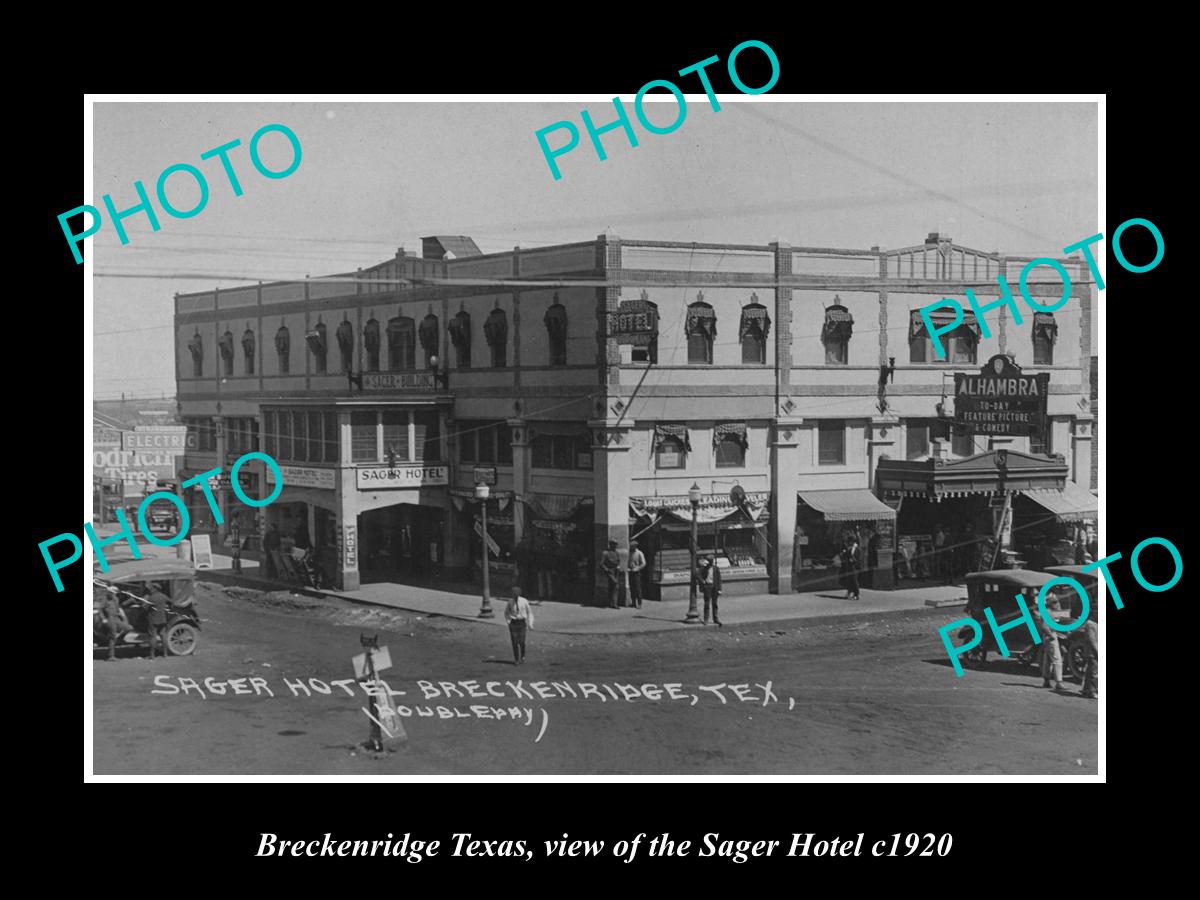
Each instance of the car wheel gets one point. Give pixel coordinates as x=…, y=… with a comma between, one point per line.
x=181, y=638
x=1032, y=656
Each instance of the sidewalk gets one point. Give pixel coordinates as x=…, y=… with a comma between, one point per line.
x=572, y=618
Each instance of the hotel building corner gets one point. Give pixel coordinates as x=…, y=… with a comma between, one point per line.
x=593, y=384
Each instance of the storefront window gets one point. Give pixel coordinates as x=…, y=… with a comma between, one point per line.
x=504, y=444
x=916, y=443
x=314, y=437
x=395, y=434
x=363, y=437
x=426, y=436
x=331, y=436
x=831, y=443
x=299, y=436
x=963, y=444
x=731, y=452
x=485, y=441
x=285, y=434
x=670, y=454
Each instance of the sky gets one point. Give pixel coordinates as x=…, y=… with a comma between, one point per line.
x=1019, y=178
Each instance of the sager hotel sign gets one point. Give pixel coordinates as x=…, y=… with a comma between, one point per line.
x=1000, y=400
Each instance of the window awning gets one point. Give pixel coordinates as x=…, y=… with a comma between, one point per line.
x=675, y=432
x=839, y=324
x=700, y=317
x=736, y=430
x=1044, y=324
x=856, y=505
x=940, y=317
x=1071, y=504
x=754, y=317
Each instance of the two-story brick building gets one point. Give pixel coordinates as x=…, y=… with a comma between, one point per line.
x=596, y=383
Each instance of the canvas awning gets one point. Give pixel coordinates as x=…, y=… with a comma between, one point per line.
x=1071, y=504
x=855, y=505
x=677, y=432
x=940, y=317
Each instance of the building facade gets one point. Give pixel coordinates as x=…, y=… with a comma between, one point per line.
x=594, y=385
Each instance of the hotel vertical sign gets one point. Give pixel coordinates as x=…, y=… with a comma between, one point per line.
x=1000, y=400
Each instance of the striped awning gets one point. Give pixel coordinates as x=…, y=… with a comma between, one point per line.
x=857, y=505
x=1071, y=504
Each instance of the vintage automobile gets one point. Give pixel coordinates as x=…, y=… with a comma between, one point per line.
x=1076, y=650
x=997, y=590
x=132, y=582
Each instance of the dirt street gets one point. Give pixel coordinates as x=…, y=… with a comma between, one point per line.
x=859, y=697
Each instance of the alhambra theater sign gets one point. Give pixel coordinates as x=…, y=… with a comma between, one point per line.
x=1000, y=400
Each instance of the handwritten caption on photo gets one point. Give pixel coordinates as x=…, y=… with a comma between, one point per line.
x=752, y=693
x=1061, y=581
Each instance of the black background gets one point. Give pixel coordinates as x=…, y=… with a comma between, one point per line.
x=997, y=828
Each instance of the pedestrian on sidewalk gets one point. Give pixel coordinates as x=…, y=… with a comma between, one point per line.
x=710, y=584
x=235, y=542
x=271, y=543
x=637, y=562
x=157, y=619
x=116, y=623
x=610, y=563
x=519, y=616
x=1091, y=668
x=849, y=567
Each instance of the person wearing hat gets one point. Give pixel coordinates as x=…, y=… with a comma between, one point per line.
x=1051, y=654
x=710, y=583
x=610, y=563
x=519, y=617
x=637, y=562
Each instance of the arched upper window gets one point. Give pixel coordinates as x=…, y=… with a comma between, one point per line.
x=495, y=330
x=729, y=445
x=318, y=345
x=401, y=338
x=428, y=335
x=959, y=345
x=226, y=349
x=283, y=346
x=836, y=332
x=345, y=342
x=1045, y=333
x=196, y=348
x=753, y=330
x=460, y=337
x=556, y=330
x=371, y=344
x=700, y=327
x=248, y=347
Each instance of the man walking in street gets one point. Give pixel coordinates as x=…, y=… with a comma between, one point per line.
x=610, y=563
x=157, y=619
x=710, y=584
x=1091, y=671
x=116, y=623
x=270, y=544
x=519, y=616
x=1051, y=654
x=637, y=562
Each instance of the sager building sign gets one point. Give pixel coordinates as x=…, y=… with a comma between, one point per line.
x=1000, y=400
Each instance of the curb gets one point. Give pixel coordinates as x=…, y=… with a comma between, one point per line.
x=670, y=625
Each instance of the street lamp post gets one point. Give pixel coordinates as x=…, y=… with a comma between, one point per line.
x=481, y=494
x=693, y=617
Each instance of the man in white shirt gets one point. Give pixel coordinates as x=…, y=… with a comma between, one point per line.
x=637, y=562
x=519, y=616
